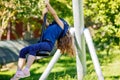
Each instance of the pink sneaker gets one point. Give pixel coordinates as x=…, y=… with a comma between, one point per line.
x=21, y=74
x=26, y=72
x=14, y=78
x=18, y=75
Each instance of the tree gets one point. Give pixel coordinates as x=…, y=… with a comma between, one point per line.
x=13, y=10
x=105, y=15
x=24, y=11
x=6, y=13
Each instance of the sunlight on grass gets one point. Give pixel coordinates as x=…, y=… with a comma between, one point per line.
x=65, y=69
x=112, y=69
x=38, y=68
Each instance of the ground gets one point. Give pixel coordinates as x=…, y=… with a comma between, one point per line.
x=65, y=68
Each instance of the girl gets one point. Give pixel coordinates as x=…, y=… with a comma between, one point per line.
x=57, y=31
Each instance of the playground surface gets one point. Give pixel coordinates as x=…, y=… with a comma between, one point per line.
x=65, y=68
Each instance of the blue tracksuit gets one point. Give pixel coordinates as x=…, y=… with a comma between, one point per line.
x=50, y=35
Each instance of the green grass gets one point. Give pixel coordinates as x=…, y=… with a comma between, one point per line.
x=65, y=68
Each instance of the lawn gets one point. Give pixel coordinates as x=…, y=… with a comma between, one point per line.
x=65, y=68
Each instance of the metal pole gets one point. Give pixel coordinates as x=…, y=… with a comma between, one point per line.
x=50, y=65
x=78, y=61
x=93, y=54
x=79, y=67
x=79, y=26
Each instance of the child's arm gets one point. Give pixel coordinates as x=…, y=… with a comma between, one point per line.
x=54, y=14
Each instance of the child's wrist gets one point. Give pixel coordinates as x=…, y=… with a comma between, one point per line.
x=47, y=5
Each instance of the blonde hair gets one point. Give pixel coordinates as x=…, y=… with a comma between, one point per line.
x=66, y=44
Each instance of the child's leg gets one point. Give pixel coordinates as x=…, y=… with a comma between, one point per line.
x=34, y=48
x=25, y=72
x=22, y=58
x=32, y=53
x=21, y=63
x=30, y=61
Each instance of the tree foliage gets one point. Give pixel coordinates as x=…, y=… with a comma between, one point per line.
x=104, y=14
x=18, y=10
x=26, y=11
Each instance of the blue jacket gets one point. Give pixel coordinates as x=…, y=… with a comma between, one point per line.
x=54, y=32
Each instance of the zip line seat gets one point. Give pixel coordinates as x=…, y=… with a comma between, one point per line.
x=43, y=53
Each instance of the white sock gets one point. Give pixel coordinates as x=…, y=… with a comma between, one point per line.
x=26, y=68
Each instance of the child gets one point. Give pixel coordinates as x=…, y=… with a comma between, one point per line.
x=57, y=31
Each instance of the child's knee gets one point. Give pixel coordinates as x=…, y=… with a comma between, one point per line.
x=23, y=53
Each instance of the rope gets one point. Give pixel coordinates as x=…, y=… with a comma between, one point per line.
x=43, y=26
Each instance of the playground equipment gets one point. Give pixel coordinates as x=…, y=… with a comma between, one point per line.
x=78, y=60
x=81, y=35
x=89, y=42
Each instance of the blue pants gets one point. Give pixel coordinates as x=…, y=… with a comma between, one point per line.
x=32, y=49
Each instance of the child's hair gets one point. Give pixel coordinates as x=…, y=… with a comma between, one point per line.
x=66, y=44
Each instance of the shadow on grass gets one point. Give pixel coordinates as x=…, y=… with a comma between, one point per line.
x=68, y=70
x=66, y=63
x=4, y=77
x=113, y=77
x=102, y=57
x=71, y=73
